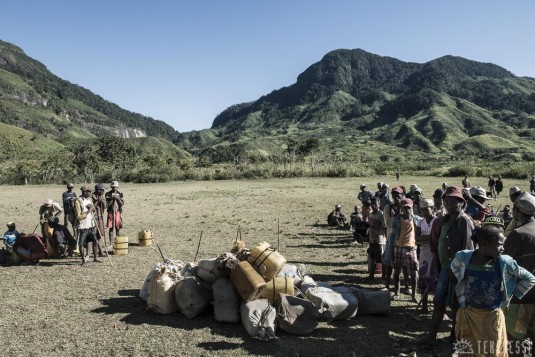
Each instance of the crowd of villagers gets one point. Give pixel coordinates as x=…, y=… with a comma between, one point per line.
x=85, y=219
x=476, y=263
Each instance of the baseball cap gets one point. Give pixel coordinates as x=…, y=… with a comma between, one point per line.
x=494, y=220
x=478, y=191
x=397, y=189
x=362, y=185
x=452, y=191
x=426, y=203
x=406, y=202
x=114, y=184
x=99, y=187
x=70, y=185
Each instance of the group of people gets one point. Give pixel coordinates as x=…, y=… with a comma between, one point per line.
x=472, y=259
x=83, y=226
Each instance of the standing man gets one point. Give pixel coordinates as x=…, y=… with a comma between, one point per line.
x=532, y=184
x=499, y=185
x=85, y=219
x=465, y=182
x=514, y=192
x=449, y=234
x=520, y=245
x=99, y=203
x=48, y=210
x=114, y=203
x=377, y=238
x=68, y=198
x=492, y=187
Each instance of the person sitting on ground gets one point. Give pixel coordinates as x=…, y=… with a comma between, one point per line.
x=475, y=198
x=336, y=218
x=360, y=230
x=426, y=261
x=10, y=236
x=31, y=247
x=377, y=238
x=403, y=240
x=62, y=240
x=486, y=280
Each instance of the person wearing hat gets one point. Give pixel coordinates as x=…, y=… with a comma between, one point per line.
x=403, y=242
x=514, y=192
x=376, y=238
x=85, y=219
x=99, y=202
x=68, y=199
x=417, y=196
x=336, y=218
x=475, y=207
x=364, y=194
x=520, y=245
x=114, y=204
x=450, y=233
x=10, y=236
x=386, y=197
x=486, y=282
x=49, y=209
x=426, y=261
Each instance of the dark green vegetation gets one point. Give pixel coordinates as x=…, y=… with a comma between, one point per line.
x=351, y=114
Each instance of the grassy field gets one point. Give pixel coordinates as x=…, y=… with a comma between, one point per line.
x=59, y=308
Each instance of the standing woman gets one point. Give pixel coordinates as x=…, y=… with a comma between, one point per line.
x=427, y=271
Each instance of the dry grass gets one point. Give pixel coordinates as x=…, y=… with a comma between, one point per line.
x=59, y=308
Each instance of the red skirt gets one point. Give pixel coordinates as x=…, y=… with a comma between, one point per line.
x=118, y=220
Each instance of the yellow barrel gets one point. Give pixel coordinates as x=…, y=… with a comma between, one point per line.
x=120, y=245
x=266, y=260
x=277, y=285
x=144, y=238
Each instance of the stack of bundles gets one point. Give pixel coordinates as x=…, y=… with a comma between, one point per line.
x=192, y=295
x=372, y=302
x=161, y=288
x=210, y=270
x=332, y=303
x=293, y=271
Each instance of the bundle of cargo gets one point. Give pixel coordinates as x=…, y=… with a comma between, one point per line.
x=293, y=271
x=258, y=318
x=226, y=301
x=192, y=296
x=210, y=270
x=172, y=266
x=333, y=303
x=161, y=289
x=372, y=302
x=296, y=315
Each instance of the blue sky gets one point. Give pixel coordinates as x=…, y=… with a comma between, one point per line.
x=184, y=62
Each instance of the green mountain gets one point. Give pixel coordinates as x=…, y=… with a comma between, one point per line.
x=354, y=102
x=33, y=98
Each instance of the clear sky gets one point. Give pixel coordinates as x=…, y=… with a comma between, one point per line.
x=184, y=62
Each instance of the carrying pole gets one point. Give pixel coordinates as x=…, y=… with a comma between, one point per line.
x=103, y=238
x=198, y=246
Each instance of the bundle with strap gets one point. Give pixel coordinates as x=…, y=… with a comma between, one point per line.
x=267, y=261
x=226, y=301
x=247, y=282
x=275, y=286
x=258, y=318
x=333, y=303
x=296, y=315
x=210, y=270
x=192, y=296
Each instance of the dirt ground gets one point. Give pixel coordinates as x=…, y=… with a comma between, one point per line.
x=61, y=309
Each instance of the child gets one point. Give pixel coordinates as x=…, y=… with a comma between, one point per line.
x=485, y=280
x=10, y=236
x=377, y=237
x=359, y=227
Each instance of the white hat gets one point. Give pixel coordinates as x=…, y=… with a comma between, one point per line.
x=114, y=184
x=478, y=191
x=362, y=185
x=48, y=202
x=525, y=203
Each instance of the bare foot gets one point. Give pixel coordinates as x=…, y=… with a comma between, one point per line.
x=84, y=265
x=97, y=260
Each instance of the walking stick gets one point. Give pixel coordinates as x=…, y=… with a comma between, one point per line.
x=38, y=223
x=102, y=237
x=198, y=246
x=417, y=307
